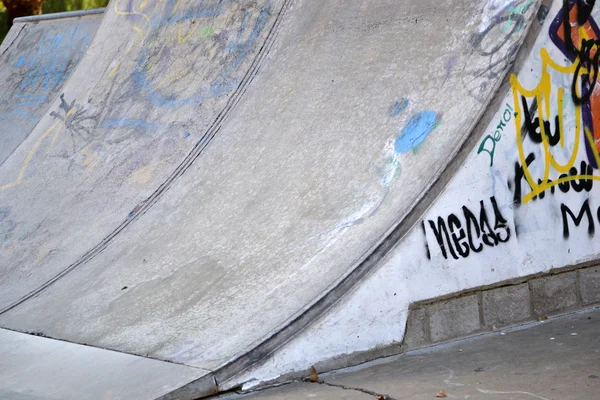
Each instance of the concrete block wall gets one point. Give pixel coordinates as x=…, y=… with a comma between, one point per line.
x=589, y=285
x=494, y=308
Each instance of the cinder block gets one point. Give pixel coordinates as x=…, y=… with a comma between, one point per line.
x=589, y=282
x=554, y=293
x=506, y=305
x=454, y=318
x=416, y=330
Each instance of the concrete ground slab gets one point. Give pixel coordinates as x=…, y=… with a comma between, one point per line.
x=558, y=359
x=37, y=368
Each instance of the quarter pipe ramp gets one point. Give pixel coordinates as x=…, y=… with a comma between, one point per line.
x=220, y=183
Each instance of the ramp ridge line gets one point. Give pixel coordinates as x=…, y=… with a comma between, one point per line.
x=5, y=43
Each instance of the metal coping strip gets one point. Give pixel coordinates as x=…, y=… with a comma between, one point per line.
x=68, y=14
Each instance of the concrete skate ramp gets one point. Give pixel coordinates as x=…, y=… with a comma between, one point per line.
x=36, y=59
x=213, y=170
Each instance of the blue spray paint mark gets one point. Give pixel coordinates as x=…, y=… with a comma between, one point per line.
x=449, y=67
x=54, y=60
x=236, y=51
x=416, y=131
x=398, y=107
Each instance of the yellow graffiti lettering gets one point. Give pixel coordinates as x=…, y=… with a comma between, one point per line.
x=542, y=94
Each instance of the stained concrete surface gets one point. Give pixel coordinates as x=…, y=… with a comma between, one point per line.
x=37, y=368
x=558, y=359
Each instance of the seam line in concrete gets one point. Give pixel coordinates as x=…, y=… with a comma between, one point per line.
x=531, y=304
x=427, y=325
x=378, y=396
x=480, y=310
x=578, y=288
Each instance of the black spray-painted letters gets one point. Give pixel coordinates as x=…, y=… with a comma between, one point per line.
x=461, y=236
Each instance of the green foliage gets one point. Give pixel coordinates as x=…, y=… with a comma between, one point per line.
x=52, y=6
x=3, y=22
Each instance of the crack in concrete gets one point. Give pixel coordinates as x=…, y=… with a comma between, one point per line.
x=378, y=396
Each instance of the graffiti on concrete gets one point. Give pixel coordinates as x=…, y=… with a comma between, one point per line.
x=54, y=60
x=71, y=120
x=585, y=212
x=488, y=144
x=576, y=34
x=398, y=107
x=7, y=225
x=549, y=131
x=416, y=130
x=45, y=69
x=388, y=171
x=556, y=123
x=578, y=183
x=168, y=32
x=495, y=44
x=460, y=237
x=181, y=54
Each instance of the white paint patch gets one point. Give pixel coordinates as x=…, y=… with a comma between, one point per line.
x=514, y=392
x=450, y=377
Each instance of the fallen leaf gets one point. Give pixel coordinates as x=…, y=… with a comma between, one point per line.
x=314, y=377
x=441, y=394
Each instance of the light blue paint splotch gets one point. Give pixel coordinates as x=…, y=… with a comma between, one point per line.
x=417, y=130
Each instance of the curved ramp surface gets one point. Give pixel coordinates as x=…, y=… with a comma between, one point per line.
x=142, y=104
x=36, y=59
x=190, y=223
